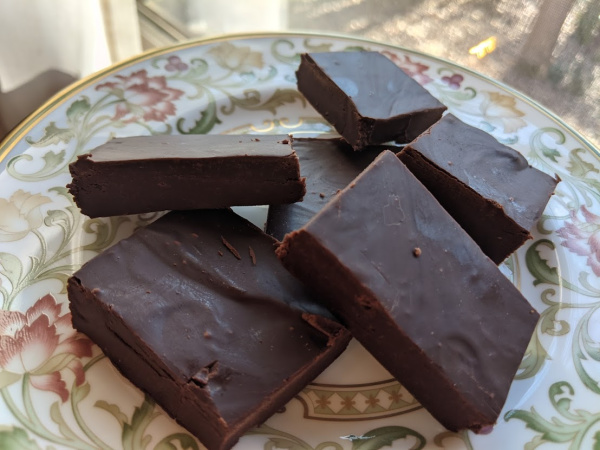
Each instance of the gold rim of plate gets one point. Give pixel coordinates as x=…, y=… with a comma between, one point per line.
x=13, y=138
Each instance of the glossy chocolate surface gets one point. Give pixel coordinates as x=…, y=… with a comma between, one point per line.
x=328, y=165
x=366, y=97
x=154, y=173
x=489, y=188
x=417, y=292
x=180, y=315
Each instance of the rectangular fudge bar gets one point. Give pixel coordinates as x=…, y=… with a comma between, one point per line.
x=197, y=311
x=366, y=97
x=417, y=292
x=155, y=173
x=328, y=165
x=489, y=188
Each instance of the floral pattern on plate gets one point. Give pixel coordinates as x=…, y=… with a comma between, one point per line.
x=59, y=391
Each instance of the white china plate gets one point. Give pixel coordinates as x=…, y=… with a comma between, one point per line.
x=58, y=391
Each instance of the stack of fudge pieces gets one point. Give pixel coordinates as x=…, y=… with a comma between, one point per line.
x=396, y=246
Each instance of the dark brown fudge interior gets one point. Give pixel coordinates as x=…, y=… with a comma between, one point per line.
x=155, y=173
x=490, y=189
x=197, y=311
x=417, y=292
x=366, y=97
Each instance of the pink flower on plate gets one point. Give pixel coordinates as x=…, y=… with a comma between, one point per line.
x=175, y=64
x=453, y=81
x=411, y=68
x=41, y=342
x=583, y=237
x=142, y=97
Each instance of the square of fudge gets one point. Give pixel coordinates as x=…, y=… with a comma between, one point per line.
x=141, y=174
x=489, y=188
x=417, y=292
x=366, y=97
x=328, y=164
x=197, y=311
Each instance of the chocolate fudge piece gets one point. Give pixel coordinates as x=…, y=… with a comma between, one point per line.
x=155, y=173
x=489, y=188
x=197, y=311
x=417, y=292
x=366, y=97
x=329, y=165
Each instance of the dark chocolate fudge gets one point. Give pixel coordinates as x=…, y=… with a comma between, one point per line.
x=155, y=173
x=366, y=97
x=489, y=188
x=328, y=165
x=197, y=311
x=417, y=292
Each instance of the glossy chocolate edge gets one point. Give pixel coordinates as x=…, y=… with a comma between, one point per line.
x=360, y=131
x=124, y=186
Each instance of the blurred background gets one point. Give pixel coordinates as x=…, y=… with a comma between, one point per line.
x=547, y=49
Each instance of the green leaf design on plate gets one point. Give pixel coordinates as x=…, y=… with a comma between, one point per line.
x=355, y=48
x=533, y=360
x=280, y=45
x=52, y=135
x=54, y=364
x=208, y=120
x=314, y=48
x=105, y=230
x=509, y=140
x=543, y=273
x=463, y=436
x=287, y=444
x=385, y=436
x=585, y=348
x=78, y=109
x=456, y=97
x=63, y=427
x=7, y=378
x=12, y=268
x=548, y=323
x=52, y=163
x=538, y=146
x=134, y=435
x=573, y=429
x=113, y=410
x=577, y=166
x=16, y=439
x=251, y=101
x=538, y=266
x=185, y=442
x=80, y=392
x=280, y=439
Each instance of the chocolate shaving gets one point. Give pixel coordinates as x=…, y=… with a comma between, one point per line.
x=252, y=255
x=231, y=248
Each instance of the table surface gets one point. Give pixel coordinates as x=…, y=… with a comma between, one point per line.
x=546, y=49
